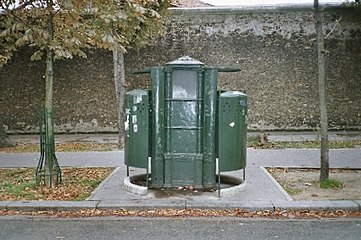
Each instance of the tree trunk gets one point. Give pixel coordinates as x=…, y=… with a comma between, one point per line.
x=49, y=131
x=324, y=173
x=119, y=79
x=4, y=138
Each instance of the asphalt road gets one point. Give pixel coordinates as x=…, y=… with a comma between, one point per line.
x=176, y=228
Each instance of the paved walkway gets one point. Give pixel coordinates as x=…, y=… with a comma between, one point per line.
x=276, y=136
x=261, y=191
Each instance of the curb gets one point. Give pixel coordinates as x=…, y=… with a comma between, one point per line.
x=30, y=206
x=146, y=204
x=142, y=204
x=318, y=205
x=232, y=205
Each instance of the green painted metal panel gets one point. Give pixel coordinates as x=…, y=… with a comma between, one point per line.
x=209, y=127
x=182, y=137
x=158, y=129
x=183, y=141
x=184, y=113
x=232, y=130
x=136, y=128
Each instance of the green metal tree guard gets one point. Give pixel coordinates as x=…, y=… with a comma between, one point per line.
x=48, y=166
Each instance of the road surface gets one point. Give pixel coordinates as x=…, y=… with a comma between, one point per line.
x=176, y=228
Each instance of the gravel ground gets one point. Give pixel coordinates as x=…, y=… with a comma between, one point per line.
x=303, y=184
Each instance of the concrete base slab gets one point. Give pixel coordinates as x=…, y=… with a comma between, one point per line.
x=133, y=188
x=238, y=186
x=236, y=190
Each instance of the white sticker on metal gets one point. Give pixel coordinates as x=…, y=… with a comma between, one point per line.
x=126, y=124
x=137, y=99
x=134, y=118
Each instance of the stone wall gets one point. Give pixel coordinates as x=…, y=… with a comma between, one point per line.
x=84, y=98
x=274, y=47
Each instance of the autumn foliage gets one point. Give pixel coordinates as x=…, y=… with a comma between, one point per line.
x=77, y=25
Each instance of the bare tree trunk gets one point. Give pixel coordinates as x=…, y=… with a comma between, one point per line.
x=49, y=131
x=119, y=79
x=4, y=138
x=324, y=173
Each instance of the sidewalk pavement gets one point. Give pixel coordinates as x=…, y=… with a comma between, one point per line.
x=261, y=191
x=273, y=136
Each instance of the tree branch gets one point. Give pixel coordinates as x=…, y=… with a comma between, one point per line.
x=334, y=27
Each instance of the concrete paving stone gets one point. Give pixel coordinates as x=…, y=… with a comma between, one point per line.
x=66, y=159
x=29, y=206
x=231, y=204
x=276, y=184
x=260, y=187
x=15, y=160
x=103, y=184
x=317, y=205
x=273, y=136
x=91, y=159
x=137, y=204
x=112, y=189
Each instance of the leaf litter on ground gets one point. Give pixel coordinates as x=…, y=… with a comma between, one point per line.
x=63, y=147
x=77, y=184
x=190, y=212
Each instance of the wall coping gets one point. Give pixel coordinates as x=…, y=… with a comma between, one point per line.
x=259, y=8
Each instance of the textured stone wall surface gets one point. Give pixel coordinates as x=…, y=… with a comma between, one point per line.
x=274, y=47
x=84, y=98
